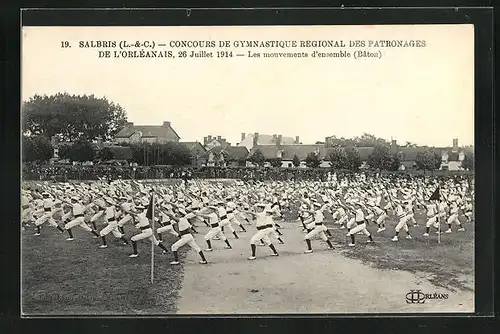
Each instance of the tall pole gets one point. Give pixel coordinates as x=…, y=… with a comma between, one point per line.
x=152, y=243
x=439, y=222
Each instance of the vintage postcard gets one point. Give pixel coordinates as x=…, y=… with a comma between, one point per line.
x=247, y=170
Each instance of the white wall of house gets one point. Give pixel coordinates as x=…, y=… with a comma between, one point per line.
x=444, y=156
x=137, y=138
x=289, y=164
x=325, y=164
x=211, y=161
x=286, y=163
x=247, y=142
x=452, y=165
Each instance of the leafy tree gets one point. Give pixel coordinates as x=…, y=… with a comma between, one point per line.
x=36, y=148
x=257, y=158
x=428, y=160
x=296, y=160
x=275, y=162
x=105, y=154
x=178, y=154
x=468, y=162
x=338, y=158
x=382, y=158
x=312, y=160
x=394, y=162
x=437, y=160
x=72, y=117
x=82, y=151
x=353, y=161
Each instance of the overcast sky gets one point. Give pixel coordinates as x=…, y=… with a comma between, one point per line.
x=422, y=95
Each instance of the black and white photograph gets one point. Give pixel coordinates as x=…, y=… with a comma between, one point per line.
x=210, y=170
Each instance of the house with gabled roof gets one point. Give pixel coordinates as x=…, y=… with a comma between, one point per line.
x=287, y=152
x=452, y=157
x=251, y=140
x=147, y=134
x=214, y=141
x=197, y=150
x=225, y=156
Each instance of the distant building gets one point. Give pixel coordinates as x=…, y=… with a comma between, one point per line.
x=214, y=141
x=452, y=157
x=287, y=152
x=197, y=150
x=252, y=140
x=147, y=134
x=408, y=156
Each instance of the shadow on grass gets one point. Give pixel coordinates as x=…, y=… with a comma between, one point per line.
x=78, y=278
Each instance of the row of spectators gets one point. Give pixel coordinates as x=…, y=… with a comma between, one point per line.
x=65, y=172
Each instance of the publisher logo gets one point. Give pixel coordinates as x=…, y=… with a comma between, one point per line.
x=418, y=297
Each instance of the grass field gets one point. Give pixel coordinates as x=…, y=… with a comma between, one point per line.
x=77, y=277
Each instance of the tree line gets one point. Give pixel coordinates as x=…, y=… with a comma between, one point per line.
x=40, y=149
x=78, y=120
x=348, y=158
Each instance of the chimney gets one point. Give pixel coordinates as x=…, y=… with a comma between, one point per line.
x=327, y=141
x=209, y=139
x=219, y=139
x=274, y=138
x=278, y=141
x=455, y=145
x=166, y=124
x=393, y=142
x=255, y=139
x=205, y=141
x=243, y=135
x=297, y=140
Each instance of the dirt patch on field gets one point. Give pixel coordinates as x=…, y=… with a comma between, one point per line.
x=322, y=282
x=449, y=264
